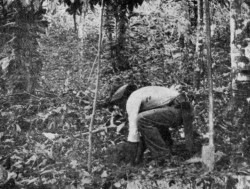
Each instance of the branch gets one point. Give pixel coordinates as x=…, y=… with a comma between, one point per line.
x=8, y=24
x=14, y=94
x=99, y=130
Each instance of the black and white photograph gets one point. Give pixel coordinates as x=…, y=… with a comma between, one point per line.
x=124, y=94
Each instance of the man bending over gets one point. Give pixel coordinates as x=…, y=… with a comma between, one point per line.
x=151, y=112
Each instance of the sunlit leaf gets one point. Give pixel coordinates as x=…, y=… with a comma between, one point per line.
x=70, y=187
x=36, y=4
x=51, y=125
x=18, y=164
x=117, y=184
x=50, y=136
x=43, y=116
x=47, y=171
x=5, y=63
x=9, y=140
x=3, y=175
x=87, y=107
x=97, y=168
x=120, y=127
x=31, y=159
x=85, y=174
x=29, y=181
x=85, y=181
x=73, y=163
x=43, y=163
x=25, y=3
x=18, y=128
x=104, y=174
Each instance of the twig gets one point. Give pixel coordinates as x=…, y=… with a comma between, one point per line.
x=8, y=24
x=99, y=130
x=22, y=94
x=47, y=93
x=92, y=69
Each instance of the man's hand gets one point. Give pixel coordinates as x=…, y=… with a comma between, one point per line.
x=127, y=152
x=132, y=150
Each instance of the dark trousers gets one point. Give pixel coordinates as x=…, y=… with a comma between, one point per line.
x=153, y=126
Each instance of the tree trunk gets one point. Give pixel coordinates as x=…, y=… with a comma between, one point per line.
x=122, y=62
x=81, y=36
x=199, y=45
x=208, y=156
x=82, y=20
x=109, y=29
x=239, y=56
x=24, y=61
x=238, y=109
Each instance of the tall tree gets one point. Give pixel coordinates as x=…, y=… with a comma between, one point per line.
x=21, y=23
x=208, y=151
x=116, y=20
x=240, y=59
x=199, y=45
x=116, y=28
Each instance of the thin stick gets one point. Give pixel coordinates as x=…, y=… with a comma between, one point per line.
x=99, y=130
x=96, y=90
x=92, y=69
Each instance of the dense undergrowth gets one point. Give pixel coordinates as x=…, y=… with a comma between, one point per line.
x=44, y=135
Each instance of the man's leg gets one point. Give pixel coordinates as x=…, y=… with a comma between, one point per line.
x=141, y=149
x=149, y=123
x=166, y=136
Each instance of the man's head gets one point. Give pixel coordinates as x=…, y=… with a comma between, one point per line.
x=120, y=96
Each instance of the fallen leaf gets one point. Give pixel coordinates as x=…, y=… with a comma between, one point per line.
x=104, y=174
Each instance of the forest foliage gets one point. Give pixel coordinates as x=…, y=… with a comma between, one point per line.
x=47, y=85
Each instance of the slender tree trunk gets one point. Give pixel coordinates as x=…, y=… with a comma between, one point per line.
x=122, y=63
x=109, y=29
x=27, y=65
x=238, y=108
x=82, y=20
x=239, y=55
x=96, y=91
x=80, y=26
x=209, y=66
x=208, y=151
x=74, y=19
x=199, y=45
x=81, y=36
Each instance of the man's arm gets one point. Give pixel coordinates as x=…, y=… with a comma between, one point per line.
x=132, y=107
x=132, y=146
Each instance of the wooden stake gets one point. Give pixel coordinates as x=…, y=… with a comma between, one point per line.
x=209, y=151
x=96, y=90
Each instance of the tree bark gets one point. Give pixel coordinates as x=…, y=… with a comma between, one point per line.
x=238, y=109
x=239, y=56
x=109, y=30
x=208, y=152
x=199, y=45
